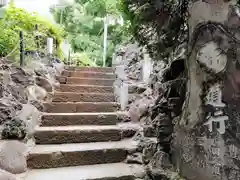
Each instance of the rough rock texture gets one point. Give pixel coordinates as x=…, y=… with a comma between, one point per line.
x=22, y=93
x=196, y=112
x=128, y=62
x=4, y=175
x=12, y=157
x=150, y=107
x=206, y=139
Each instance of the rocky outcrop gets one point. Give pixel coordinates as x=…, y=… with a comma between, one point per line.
x=206, y=137
x=195, y=114
x=4, y=175
x=12, y=157
x=151, y=107
x=22, y=92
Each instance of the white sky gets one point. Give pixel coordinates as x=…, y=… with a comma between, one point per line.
x=40, y=6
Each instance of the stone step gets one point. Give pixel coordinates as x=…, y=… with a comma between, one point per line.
x=91, y=69
x=90, y=81
x=85, y=88
x=83, y=97
x=68, y=119
x=77, y=154
x=71, y=107
x=87, y=74
x=115, y=171
x=76, y=134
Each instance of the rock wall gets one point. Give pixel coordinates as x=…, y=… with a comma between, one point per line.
x=147, y=104
x=22, y=92
x=206, y=139
x=191, y=104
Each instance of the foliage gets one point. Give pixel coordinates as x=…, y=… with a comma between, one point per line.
x=83, y=21
x=16, y=20
x=82, y=59
x=8, y=39
x=158, y=25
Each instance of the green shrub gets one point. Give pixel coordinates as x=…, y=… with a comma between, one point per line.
x=84, y=22
x=8, y=40
x=82, y=59
x=16, y=20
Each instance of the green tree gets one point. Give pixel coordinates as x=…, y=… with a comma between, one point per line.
x=200, y=41
x=16, y=20
x=83, y=20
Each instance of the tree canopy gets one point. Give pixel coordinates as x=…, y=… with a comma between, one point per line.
x=15, y=20
x=158, y=25
x=83, y=20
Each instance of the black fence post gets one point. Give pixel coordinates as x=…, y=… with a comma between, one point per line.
x=56, y=41
x=37, y=37
x=69, y=58
x=21, y=49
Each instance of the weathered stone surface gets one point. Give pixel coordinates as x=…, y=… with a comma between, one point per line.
x=91, y=69
x=116, y=171
x=44, y=83
x=129, y=132
x=88, y=74
x=4, y=175
x=148, y=152
x=80, y=107
x=62, y=79
x=12, y=157
x=14, y=129
x=85, y=88
x=76, y=134
x=205, y=140
x=80, y=119
x=123, y=117
x=36, y=93
x=135, y=158
x=18, y=89
x=149, y=131
x=205, y=145
x=37, y=104
x=138, y=108
x=160, y=161
x=19, y=76
x=90, y=81
x=77, y=155
x=149, y=108
x=30, y=116
x=82, y=97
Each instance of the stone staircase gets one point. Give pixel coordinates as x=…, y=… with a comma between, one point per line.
x=81, y=137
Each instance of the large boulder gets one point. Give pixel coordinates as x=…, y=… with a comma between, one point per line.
x=36, y=93
x=20, y=76
x=14, y=129
x=30, y=116
x=4, y=175
x=44, y=83
x=13, y=157
x=22, y=88
x=159, y=167
x=139, y=107
x=160, y=161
